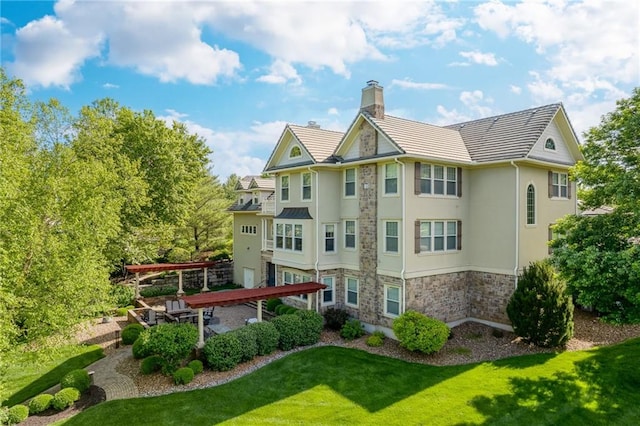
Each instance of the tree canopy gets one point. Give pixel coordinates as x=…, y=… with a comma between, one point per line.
x=600, y=256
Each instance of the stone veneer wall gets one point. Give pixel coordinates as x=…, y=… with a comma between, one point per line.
x=221, y=273
x=265, y=257
x=489, y=294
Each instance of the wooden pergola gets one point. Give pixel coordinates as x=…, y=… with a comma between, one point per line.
x=180, y=267
x=237, y=297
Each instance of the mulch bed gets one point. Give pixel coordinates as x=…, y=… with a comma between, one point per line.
x=94, y=395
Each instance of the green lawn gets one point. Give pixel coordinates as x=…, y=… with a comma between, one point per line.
x=31, y=373
x=331, y=385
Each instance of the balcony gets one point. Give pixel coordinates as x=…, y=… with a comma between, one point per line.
x=267, y=245
x=269, y=207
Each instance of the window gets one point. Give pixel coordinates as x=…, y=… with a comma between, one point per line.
x=295, y=152
x=350, y=183
x=559, y=185
x=256, y=198
x=290, y=277
x=284, y=188
x=391, y=178
x=329, y=238
x=438, y=235
x=327, y=293
x=249, y=229
x=306, y=186
x=351, y=292
x=438, y=180
x=289, y=236
x=392, y=301
x=531, y=205
x=550, y=145
x=350, y=234
x=391, y=237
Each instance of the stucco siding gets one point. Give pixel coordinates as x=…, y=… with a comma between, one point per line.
x=246, y=248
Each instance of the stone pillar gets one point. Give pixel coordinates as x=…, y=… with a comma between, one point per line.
x=368, y=246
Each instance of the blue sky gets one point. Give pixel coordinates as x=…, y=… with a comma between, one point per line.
x=237, y=72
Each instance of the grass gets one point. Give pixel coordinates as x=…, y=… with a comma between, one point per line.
x=31, y=373
x=332, y=385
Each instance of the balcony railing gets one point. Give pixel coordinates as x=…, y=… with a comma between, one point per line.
x=269, y=207
x=267, y=245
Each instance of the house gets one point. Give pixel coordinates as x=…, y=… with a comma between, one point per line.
x=396, y=214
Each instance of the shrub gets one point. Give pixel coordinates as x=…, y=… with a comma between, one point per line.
x=17, y=413
x=290, y=329
x=122, y=312
x=418, y=332
x=272, y=304
x=352, y=329
x=121, y=295
x=151, y=364
x=183, y=376
x=248, y=343
x=222, y=352
x=162, y=290
x=280, y=309
x=130, y=333
x=267, y=337
x=335, y=318
x=78, y=379
x=139, y=349
x=540, y=309
x=196, y=366
x=39, y=403
x=64, y=398
x=290, y=310
x=173, y=342
x=376, y=339
x=312, y=323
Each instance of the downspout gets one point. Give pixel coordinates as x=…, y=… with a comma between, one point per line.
x=404, y=240
x=318, y=239
x=516, y=267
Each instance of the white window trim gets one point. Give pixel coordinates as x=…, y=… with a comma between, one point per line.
x=249, y=230
x=346, y=291
x=294, y=273
x=559, y=196
x=555, y=145
x=355, y=233
x=335, y=238
x=333, y=291
x=432, y=194
x=384, y=236
x=432, y=237
x=289, y=188
x=305, y=200
x=386, y=312
x=295, y=156
x=284, y=237
x=384, y=180
x=535, y=206
x=355, y=183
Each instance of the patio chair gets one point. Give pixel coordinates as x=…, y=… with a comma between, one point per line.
x=168, y=306
x=207, y=314
x=152, y=318
x=181, y=304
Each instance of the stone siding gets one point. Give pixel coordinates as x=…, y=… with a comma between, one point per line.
x=221, y=273
x=265, y=257
x=444, y=296
x=489, y=295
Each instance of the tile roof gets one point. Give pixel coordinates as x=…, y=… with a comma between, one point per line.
x=245, y=181
x=423, y=139
x=507, y=136
x=263, y=183
x=320, y=143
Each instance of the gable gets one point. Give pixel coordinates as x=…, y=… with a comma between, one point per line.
x=286, y=152
x=552, y=137
x=349, y=148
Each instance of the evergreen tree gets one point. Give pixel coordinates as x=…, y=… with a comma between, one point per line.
x=540, y=309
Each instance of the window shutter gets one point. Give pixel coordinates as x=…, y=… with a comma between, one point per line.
x=416, y=234
x=568, y=187
x=459, y=181
x=550, y=184
x=416, y=180
x=459, y=235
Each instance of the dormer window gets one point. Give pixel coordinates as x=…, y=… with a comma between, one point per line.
x=550, y=145
x=295, y=152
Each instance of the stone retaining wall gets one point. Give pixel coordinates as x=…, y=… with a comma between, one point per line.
x=221, y=273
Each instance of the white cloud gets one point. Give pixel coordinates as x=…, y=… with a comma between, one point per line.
x=110, y=86
x=281, y=72
x=333, y=111
x=5, y=21
x=544, y=91
x=234, y=151
x=449, y=116
x=515, y=89
x=459, y=64
x=478, y=57
x=408, y=84
x=475, y=103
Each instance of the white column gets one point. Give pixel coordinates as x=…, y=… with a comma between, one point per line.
x=259, y=312
x=137, y=285
x=309, y=297
x=205, y=288
x=180, y=291
x=200, y=329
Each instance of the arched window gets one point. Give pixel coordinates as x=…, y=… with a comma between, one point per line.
x=531, y=205
x=550, y=144
x=295, y=152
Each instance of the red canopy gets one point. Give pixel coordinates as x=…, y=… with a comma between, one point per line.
x=236, y=297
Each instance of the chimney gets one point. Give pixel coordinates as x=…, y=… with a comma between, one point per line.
x=313, y=125
x=372, y=99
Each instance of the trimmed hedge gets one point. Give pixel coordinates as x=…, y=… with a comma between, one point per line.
x=418, y=332
x=272, y=304
x=64, y=398
x=183, y=376
x=173, y=342
x=267, y=337
x=139, y=349
x=312, y=324
x=17, y=413
x=196, y=366
x=290, y=328
x=335, y=318
x=151, y=364
x=280, y=309
x=248, y=343
x=78, y=379
x=39, y=403
x=222, y=352
x=130, y=333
